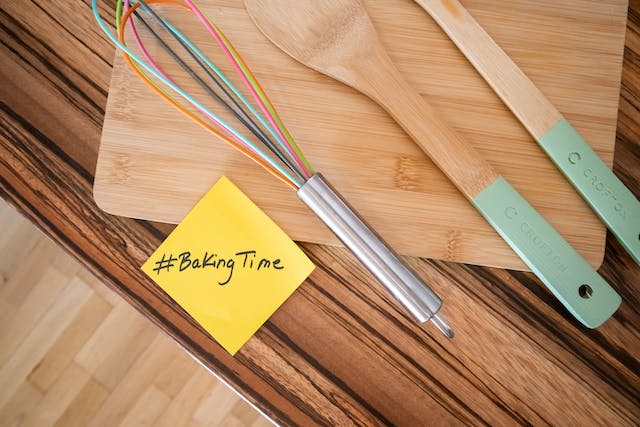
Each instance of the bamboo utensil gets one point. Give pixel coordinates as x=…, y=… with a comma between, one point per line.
x=612, y=201
x=337, y=38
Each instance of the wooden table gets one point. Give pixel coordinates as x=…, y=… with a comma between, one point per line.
x=338, y=351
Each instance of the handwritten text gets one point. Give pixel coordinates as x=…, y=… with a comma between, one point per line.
x=247, y=260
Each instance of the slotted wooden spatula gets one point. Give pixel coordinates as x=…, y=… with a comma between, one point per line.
x=337, y=38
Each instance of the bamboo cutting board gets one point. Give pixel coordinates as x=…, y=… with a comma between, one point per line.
x=154, y=164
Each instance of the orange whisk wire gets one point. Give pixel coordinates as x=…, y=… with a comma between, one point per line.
x=158, y=90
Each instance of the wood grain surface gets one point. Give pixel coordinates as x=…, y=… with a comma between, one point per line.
x=572, y=50
x=525, y=100
x=338, y=352
x=353, y=54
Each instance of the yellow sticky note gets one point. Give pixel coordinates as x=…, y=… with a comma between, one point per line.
x=228, y=265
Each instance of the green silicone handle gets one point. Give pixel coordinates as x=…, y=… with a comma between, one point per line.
x=606, y=194
x=568, y=276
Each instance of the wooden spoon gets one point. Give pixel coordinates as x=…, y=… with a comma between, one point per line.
x=337, y=38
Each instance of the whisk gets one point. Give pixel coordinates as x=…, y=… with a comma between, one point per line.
x=270, y=144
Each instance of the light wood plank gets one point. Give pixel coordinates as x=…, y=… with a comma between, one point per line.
x=20, y=405
x=147, y=408
x=128, y=335
x=99, y=288
x=173, y=380
x=216, y=406
x=41, y=338
x=145, y=369
x=40, y=299
x=84, y=406
x=262, y=421
x=58, y=397
x=179, y=411
x=7, y=311
x=70, y=342
x=246, y=418
x=30, y=271
x=19, y=241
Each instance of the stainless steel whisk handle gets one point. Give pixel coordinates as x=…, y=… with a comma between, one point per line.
x=372, y=251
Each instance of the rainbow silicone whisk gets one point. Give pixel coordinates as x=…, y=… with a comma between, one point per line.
x=264, y=138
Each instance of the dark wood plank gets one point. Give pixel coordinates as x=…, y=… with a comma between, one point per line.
x=339, y=351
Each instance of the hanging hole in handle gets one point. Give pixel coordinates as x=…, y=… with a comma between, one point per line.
x=585, y=291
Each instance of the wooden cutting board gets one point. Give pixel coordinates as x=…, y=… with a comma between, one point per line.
x=154, y=164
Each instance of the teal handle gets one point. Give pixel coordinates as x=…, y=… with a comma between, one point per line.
x=606, y=194
x=588, y=297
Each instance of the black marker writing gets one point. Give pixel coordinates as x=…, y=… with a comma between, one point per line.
x=246, y=260
x=246, y=255
x=164, y=263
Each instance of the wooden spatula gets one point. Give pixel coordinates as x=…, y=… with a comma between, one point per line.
x=337, y=38
x=614, y=203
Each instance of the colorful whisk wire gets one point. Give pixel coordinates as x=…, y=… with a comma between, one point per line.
x=280, y=154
